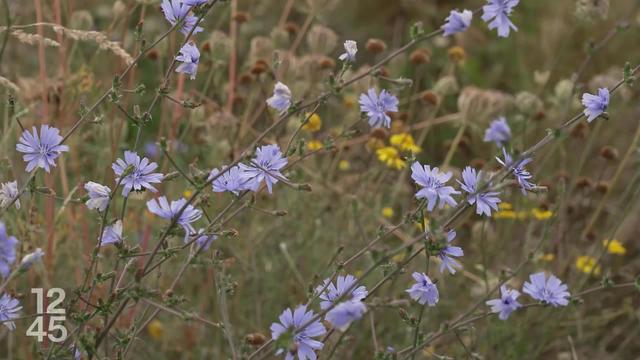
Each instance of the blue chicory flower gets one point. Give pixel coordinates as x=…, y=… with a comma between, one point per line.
x=31, y=258
x=194, y=2
x=377, y=106
x=424, y=291
x=142, y=175
x=484, y=202
x=7, y=251
x=448, y=254
x=204, y=240
x=230, y=180
x=99, y=196
x=346, y=312
x=457, y=21
x=521, y=174
x=176, y=10
x=112, y=234
x=330, y=292
x=595, y=105
x=351, y=49
x=9, y=310
x=496, y=13
x=162, y=208
x=498, y=132
x=41, y=151
x=303, y=343
x=507, y=303
x=549, y=291
x=189, y=58
x=281, y=99
x=433, y=185
x=265, y=166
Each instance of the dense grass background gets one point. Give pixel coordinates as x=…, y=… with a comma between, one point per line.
x=265, y=263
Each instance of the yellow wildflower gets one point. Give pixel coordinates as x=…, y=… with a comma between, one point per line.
x=541, y=214
x=505, y=206
x=314, y=124
x=505, y=214
x=344, y=165
x=391, y=157
x=314, y=145
x=187, y=194
x=387, y=212
x=548, y=257
x=614, y=247
x=405, y=142
x=155, y=329
x=588, y=265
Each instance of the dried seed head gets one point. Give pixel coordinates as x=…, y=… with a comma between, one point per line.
x=580, y=131
x=152, y=54
x=584, y=182
x=603, y=187
x=256, y=339
x=430, y=97
x=609, y=153
x=420, y=56
x=379, y=133
x=292, y=28
x=245, y=79
x=259, y=67
x=376, y=46
x=528, y=103
x=241, y=17
x=478, y=163
x=326, y=62
x=321, y=40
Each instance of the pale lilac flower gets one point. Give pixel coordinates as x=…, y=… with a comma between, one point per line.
x=99, y=196
x=346, y=312
x=521, y=174
x=507, y=303
x=265, y=166
x=112, y=234
x=498, y=132
x=424, y=291
x=448, y=254
x=9, y=309
x=457, y=21
x=281, y=99
x=140, y=177
x=176, y=10
x=332, y=291
x=162, y=208
x=303, y=343
x=595, y=105
x=549, y=291
x=484, y=201
x=194, y=2
x=204, y=240
x=230, y=180
x=376, y=106
x=41, y=151
x=351, y=49
x=189, y=57
x=31, y=258
x=433, y=185
x=8, y=192
x=496, y=13
x=7, y=251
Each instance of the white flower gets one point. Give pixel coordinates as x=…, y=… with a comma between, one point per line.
x=351, y=48
x=98, y=196
x=8, y=192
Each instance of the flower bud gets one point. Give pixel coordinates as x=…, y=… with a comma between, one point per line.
x=375, y=46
